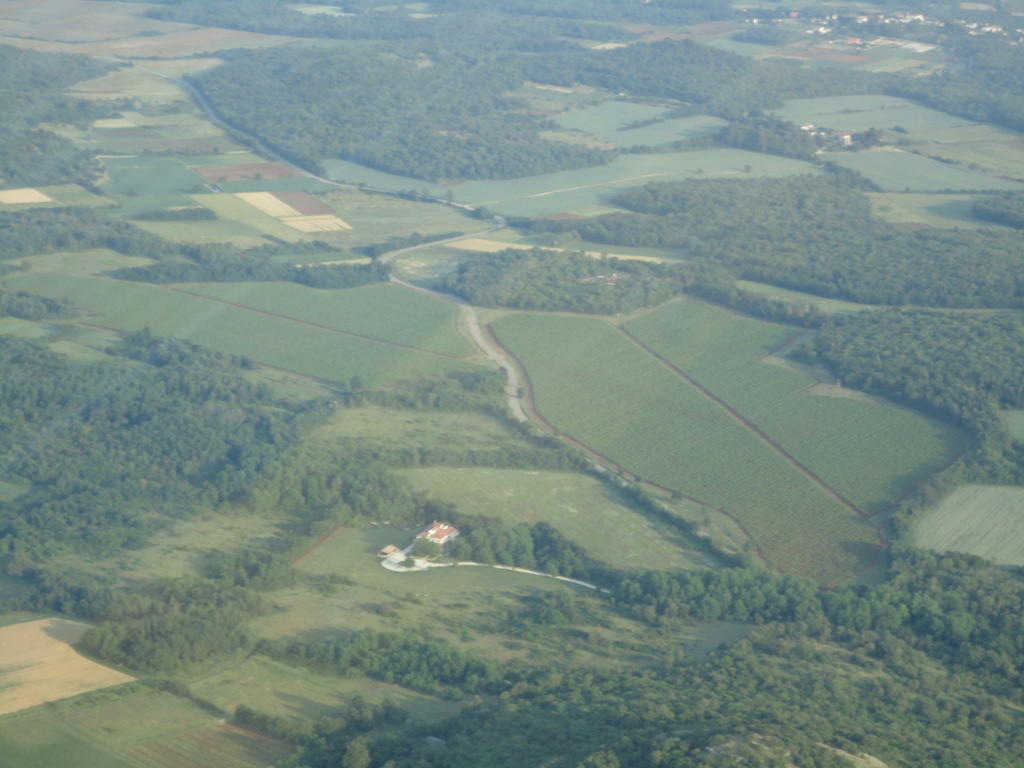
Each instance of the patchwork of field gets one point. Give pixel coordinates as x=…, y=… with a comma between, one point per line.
x=244, y=171
x=592, y=383
x=610, y=121
x=869, y=451
x=283, y=691
x=289, y=343
x=274, y=205
x=898, y=171
x=586, y=188
x=40, y=665
x=140, y=730
x=385, y=312
x=49, y=197
x=983, y=520
x=583, y=509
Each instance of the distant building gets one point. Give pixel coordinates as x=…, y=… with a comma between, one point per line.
x=390, y=549
x=845, y=138
x=439, y=533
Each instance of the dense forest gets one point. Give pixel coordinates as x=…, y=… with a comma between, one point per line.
x=111, y=451
x=33, y=85
x=817, y=234
x=1002, y=208
x=442, y=119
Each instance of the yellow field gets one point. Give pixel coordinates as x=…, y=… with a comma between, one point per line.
x=22, y=196
x=316, y=223
x=39, y=665
x=479, y=245
x=268, y=203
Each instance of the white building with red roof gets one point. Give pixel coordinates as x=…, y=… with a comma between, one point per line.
x=439, y=533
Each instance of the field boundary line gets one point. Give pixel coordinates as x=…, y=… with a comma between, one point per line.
x=755, y=430
x=604, y=462
x=311, y=324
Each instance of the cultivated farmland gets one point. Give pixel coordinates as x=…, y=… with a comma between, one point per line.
x=869, y=451
x=583, y=509
x=592, y=383
x=39, y=665
x=896, y=171
x=983, y=520
x=283, y=342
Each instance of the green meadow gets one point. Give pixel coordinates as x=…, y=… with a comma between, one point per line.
x=899, y=171
x=583, y=509
x=982, y=520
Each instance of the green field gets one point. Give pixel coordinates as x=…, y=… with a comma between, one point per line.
x=140, y=730
x=859, y=113
x=1014, y=421
x=927, y=209
x=983, y=520
x=283, y=691
x=382, y=311
x=592, y=383
x=583, y=509
x=149, y=183
x=583, y=189
x=869, y=451
x=831, y=306
x=276, y=341
x=608, y=121
x=467, y=606
x=898, y=171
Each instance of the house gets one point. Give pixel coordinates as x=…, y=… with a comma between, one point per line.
x=439, y=533
x=390, y=549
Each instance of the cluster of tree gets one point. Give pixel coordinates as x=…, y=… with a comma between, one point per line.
x=475, y=31
x=34, y=86
x=856, y=669
x=228, y=264
x=357, y=717
x=769, y=135
x=552, y=280
x=539, y=547
x=458, y=391
x=198, y=213
x=764, y=34
x=112, y=449
x=681, y=12
x=817, y=234
x=987, y=84
x=253, y=569
x=446, y=120
x=28, y=306
x=1003, y=208
x=404, y=657
x=374, y=250
x=25, y=233
x=724, y=83
x=962, y=367
x=176, y=623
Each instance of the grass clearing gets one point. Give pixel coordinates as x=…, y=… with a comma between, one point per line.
x=592, y=383
x=928, y=210
x=1014, y=421
x=583, y=189
x=831, y=306
x=40, y=665
x=610, y=120
x=582, y=508
x=382, y=311
x=982, y=520
x=868, y=450
x=10, y=491
x=284, y=343
x=899, y=171
x=284, y=691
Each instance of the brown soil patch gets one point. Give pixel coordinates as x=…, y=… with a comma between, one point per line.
x=38, y=664
x=243, y=172
x=304, y=203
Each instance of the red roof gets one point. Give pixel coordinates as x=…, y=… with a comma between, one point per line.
x=437, y=531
